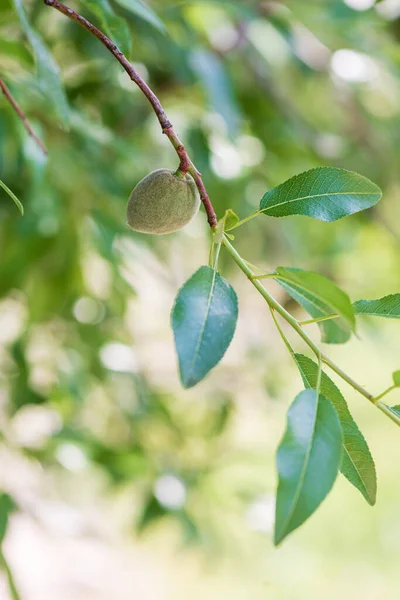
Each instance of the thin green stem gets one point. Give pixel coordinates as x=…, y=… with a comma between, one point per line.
x=384, y=393
x=254, y=267
x=266, y=276
x=293, y=322
x=216, y=256
x=243, y=221
x=289, y=347
x=211, y=252
x=10, y=578
x=280, y=330
x=319, y=319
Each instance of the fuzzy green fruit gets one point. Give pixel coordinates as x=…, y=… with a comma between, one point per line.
x=162, y=203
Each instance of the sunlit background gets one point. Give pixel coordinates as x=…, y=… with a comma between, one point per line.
x=119, y=483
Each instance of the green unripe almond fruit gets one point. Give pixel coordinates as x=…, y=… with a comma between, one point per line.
x=162, y=203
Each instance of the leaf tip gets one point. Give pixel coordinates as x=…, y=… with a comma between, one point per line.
x=187, y=379
x=279, y=536
x=187, y=383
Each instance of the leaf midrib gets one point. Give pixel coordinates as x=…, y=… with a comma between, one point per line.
x=320, y=196
x=344, y=443
x=388, y=315
x=208, y=308
x=302, y=474
x=317, y=296
x=358, y=473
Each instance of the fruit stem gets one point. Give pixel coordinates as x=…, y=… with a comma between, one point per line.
x=180, y=174
x=186, y=165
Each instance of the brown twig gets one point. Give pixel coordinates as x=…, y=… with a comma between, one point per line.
x=186, y=165
x=21, y=115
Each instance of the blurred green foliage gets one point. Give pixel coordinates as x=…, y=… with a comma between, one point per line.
x=258, y=91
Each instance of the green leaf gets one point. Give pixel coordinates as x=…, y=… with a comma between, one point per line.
x=308, y=460
x=395, y=410
x=151, y=512
x=388, y=307
x=115, y=27
x=325, y=193
x=12, y=196
x=215, y=80
x=204, y=321
x=396, y=378
x=142, y=10
x=6, y=507
x=358, y=465
x=230, y=219
x=16, y=49
x=320, y=297
x=48, y=70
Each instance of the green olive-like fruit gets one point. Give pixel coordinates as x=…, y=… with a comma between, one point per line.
x=162, y=203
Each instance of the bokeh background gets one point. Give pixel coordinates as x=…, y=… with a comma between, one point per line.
x=117, y=482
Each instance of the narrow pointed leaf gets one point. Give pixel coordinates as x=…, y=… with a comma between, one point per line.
x=308, y=460
x=320, y=297
x=142, y=10
x=204, y=321
x=387, y=307
x=12, y=196
x=325, y=193
x=114, y=26
x=357, y=465
x=48, y=70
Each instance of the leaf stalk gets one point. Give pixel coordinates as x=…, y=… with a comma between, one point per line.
x=274, y=304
